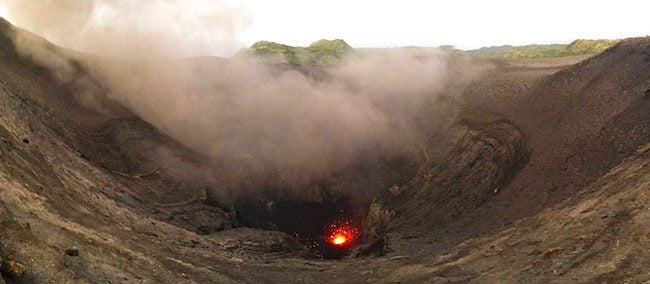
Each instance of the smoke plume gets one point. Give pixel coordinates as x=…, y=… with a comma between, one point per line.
x=261, y=122
x=134, y=29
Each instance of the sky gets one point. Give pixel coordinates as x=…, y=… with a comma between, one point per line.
x=466, y=24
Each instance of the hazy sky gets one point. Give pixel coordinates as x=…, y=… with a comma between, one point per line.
x=464, y=23
x=377, y=23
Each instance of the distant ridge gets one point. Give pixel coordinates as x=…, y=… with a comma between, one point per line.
x=333, y=51
x=577, y=47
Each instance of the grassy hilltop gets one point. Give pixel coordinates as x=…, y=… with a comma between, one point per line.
x=320, y=52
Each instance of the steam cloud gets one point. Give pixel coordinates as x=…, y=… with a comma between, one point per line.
x=258, y=120
x=135, y=28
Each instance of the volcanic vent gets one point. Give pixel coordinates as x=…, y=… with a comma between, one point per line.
x=330, y=222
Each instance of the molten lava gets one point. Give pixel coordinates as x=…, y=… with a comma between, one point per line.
x=341, y=233
x=339, y=240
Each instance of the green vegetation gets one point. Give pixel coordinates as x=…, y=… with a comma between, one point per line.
x=333, y=51
x=328, y=51
x=577, y=47
x=320, y=52
x=269, y=49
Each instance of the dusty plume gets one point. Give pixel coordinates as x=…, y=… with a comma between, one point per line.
x=135, y=29
x=262, y=123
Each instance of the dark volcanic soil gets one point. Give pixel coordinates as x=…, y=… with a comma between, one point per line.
x=545, y=177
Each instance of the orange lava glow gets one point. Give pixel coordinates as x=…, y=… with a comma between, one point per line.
x=341, y=234
x=339, y=240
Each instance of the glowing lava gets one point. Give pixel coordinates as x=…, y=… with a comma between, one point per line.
x=341, y=233
x=339, y=240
